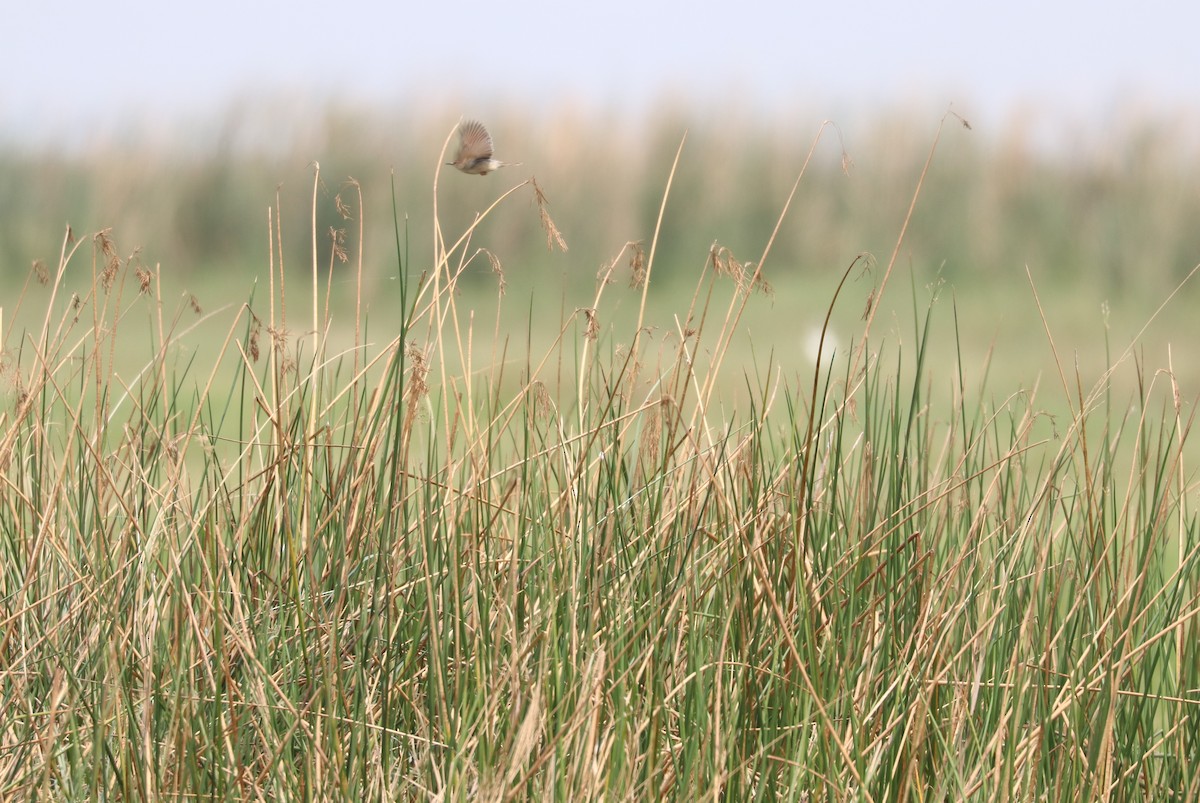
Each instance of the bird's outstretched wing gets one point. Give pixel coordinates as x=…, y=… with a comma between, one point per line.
x=474, y=142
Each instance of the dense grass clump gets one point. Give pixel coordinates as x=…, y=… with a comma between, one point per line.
x=387, y=572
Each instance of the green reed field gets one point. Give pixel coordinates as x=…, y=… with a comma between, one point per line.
x=853, y=467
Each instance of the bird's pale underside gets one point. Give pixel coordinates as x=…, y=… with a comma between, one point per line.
x=475, y=150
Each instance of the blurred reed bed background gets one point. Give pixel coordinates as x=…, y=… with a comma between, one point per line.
x=1113, y=209
x=1103, y=220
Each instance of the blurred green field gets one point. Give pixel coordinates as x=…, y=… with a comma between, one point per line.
x=1104, y=226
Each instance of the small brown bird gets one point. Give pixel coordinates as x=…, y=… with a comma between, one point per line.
x=475, y=150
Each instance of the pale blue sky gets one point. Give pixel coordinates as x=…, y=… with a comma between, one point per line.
x=73, y=65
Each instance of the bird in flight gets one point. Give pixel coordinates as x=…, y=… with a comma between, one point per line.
x=475, y=150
